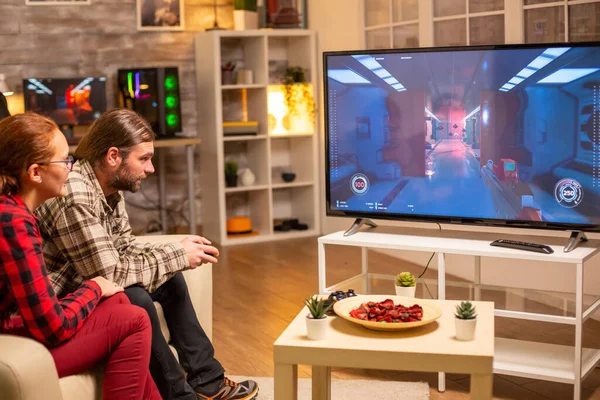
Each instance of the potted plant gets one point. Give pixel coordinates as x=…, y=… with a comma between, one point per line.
x=316, y=320
x=406, y=284
x=297, y=90
x=466, y=321
x=231, y=169
x=245, y=15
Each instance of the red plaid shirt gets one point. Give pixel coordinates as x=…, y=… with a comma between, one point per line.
x=25, y=289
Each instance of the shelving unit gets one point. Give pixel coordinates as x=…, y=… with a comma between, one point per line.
x=565, y=364
x=285, y=141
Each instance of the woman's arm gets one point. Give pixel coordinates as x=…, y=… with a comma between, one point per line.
x=48, y=319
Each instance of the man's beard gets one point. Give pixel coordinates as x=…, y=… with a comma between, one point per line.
x=125, y=180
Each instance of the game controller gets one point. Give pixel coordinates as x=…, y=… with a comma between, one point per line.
x=337, y=296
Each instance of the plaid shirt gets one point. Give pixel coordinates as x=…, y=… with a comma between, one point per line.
x=24, y=285
x=87, y=234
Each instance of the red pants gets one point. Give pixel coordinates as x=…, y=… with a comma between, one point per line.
x=120, y=335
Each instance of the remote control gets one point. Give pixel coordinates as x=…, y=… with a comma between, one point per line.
x=515, y=244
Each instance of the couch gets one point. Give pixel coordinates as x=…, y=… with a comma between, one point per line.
x=27, y=370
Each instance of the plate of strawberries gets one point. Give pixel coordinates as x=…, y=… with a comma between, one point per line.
x=387, y=313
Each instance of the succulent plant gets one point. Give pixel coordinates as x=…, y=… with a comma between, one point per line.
x=465, y=311
x=317, y=307
x=405, y=279
x=231, y=168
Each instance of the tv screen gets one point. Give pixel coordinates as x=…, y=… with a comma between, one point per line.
x=500, y=135
x=68, y=101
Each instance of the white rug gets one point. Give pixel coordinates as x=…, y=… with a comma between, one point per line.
x=348, y=389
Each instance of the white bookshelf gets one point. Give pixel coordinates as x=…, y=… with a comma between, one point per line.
x=267, y=153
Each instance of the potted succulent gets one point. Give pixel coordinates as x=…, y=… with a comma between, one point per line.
x=406, y=284
x=466, y=321
x=297, y=90
x=231, y=170
x=316, y=320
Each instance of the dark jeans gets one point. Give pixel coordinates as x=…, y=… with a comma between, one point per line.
x=196, y=353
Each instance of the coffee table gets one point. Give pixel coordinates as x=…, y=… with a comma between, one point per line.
x=430, y=348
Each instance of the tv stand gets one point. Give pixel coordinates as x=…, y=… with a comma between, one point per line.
x=358, y=222
x=558, y=363
x=576, y=237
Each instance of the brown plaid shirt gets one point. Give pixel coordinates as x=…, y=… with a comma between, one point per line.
x=87, y=234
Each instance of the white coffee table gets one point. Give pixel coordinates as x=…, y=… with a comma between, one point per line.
x=431, y=348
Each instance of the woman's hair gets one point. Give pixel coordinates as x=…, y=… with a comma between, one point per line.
x=25, y=139
x=120, y=128
x=3, y=107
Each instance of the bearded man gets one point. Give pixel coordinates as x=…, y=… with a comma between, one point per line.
x=87, y=234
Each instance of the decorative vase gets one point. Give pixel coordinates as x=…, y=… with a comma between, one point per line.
x=316, y=329
x=246, y=177
x=465, y=329
x=231, y=180
x=406, y=291
x=244, y=20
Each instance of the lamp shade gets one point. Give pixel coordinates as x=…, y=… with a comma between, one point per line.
x=4, y=89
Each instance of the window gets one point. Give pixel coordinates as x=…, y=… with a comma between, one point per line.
x=561, y=20
x=391, y=24
x=468, y=22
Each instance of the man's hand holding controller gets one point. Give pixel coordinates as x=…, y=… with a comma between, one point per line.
x=199, y=251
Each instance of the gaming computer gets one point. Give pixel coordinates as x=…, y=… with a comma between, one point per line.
x=504, y=135
x=154, y=94
x=71, y=102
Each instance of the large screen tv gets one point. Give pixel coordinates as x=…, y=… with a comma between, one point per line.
x=67, y=101
x=495, y=135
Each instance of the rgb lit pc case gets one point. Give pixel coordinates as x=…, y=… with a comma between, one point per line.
x=154, y=94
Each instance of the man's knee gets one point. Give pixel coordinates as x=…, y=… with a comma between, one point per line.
x=175, y=288
x=138, y=296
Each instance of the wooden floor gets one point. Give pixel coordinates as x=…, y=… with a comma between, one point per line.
x=259, y=289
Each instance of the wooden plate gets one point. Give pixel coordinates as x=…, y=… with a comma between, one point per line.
x=431, y=312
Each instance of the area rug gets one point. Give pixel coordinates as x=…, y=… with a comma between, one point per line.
x=342, y=389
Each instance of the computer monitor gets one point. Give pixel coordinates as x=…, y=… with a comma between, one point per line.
x=67, y=101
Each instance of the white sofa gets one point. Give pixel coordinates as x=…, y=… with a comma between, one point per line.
x=27, y=370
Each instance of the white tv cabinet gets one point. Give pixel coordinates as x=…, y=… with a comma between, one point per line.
x=566, y=364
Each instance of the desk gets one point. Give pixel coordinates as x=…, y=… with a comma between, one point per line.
x=159, y=145
x=565, y=364
x=430, y=348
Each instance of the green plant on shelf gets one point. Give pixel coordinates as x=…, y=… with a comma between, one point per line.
x=231, y=168
x=297, y=89
x=247, y=5
x=465, y=310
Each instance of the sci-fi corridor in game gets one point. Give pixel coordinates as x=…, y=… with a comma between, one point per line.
x=501, y=133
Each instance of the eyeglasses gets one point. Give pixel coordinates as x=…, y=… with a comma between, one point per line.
x=68, y=162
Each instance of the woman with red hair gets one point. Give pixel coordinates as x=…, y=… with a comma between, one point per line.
x=96, y=323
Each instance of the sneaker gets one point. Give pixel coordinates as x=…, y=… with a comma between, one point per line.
x=230, y=390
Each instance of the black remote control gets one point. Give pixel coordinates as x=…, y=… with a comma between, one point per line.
x=515, y=244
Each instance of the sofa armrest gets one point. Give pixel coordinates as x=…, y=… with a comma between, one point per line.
x=199, y=282
x=27, y=370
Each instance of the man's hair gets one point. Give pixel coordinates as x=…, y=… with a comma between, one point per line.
x=120, y=128
x=25, y=139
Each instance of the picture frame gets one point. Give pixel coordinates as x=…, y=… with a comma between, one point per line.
x=160, y=15
x=57, y=2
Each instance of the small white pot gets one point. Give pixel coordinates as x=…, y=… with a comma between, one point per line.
x=316, y=329
x=465, y=328
x=406, y=291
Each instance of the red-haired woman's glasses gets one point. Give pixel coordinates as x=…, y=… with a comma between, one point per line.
x=68, y=162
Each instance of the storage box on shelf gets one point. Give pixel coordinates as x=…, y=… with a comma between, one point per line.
x=239, y=77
